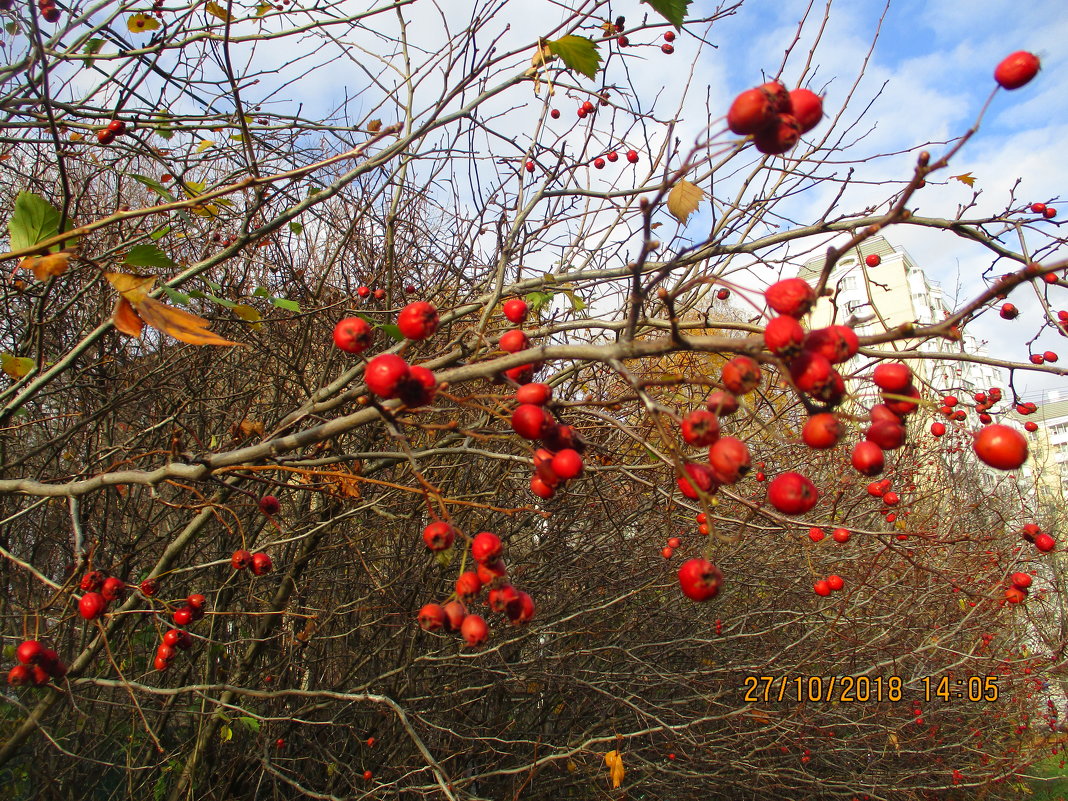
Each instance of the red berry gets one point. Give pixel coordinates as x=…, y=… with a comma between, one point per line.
x=530, y=421
x=117, y=127
x=502, y=597
x=632, y=156
x=1001, y=446
x=723, y=294
x=622, y=41
x=697, y=475
x=353, y=335
x=784, y=336
x=165, y=652
x=821, y=587
x=700, y=428
x=812, y=373
x=750, y=112
x=841, y=535
x=699, y=579
x=887, y=435
x=730, y=460
x=379, y=294
x=669, y=36
x=555, y=113
x=892, y=377
x=92, y=605
x=385, y=373
x=598, y=163
x=419, y=388
x=867, y=458
x=269, y=505
x=791, y=296
x=1038, y=208
x=439, y=536
x=822, y=431
x=1016, y=69
x=537, y=394
x=891, y=499
x=113, y=589
x=513, y=341
x=740, y=375
x=835, y=582
x=816, y=534
x=240, y=560
x=367, y=775
x=722, y=403
x=667, y=48
x=431, y=617
x=529, y=166
x=455, y=612
x=515, y=310
x=612, y=156
x=938, y=429
x=20, y=676
x=1009, y=312
x=50, y=13
x=418, y=320
x=474, y=630
x=836, y=344
x=261, y=564
x=582, y=113
x=1050, y=213
x=490, y=573
x=468, y=584
x=521, y=611
x=873, y=260
x=485, y=547
x=807, y=107
x=541, y=489
x=149, y=587
x=792, y=493
x=1050, y=356
x=1031, y=426
x=1044, y=543
x=92, y=581
x=777, y=96
x=1021, y=580
x=667, y=551
x=30, y=652
x=780, y=137
x=182, y=616
x=567, y=464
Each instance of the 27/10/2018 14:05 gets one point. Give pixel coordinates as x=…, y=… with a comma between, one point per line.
x=865, y=689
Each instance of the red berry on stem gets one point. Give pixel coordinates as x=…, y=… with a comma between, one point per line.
x=667, y=48
x=750, y=112
x=418, y=320
x=240, y=560
x=269, y=505
x=696, y=475
x=1001, y=446
x=700, y=428
x=485, y=547
x=261, y=564
x=792, y=493
x=822, y=431
x=1017, y=69
x=515, y=310
x=867, y=458
x=385, y=373
x=791, y=296
x=699, y=579
x=474, y=630
x=632, y=156
x=873, y=260
x=92, y=605
x=807, y=107
x=439, y=536
x=535, y=393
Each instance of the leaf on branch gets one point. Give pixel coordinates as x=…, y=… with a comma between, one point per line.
x=577, y=303
x=392, y=331
x=674, y=11
x=374, y=126
x=141, y=22
x=204, y=145
x=92, y=47
x=134, y=288
x=263, y=8
x=154, y=185
x=578, y=53
x=15, y=366
x=541, y=57
x=44, y=267
x=296, y=228
x=684, y=199
x=965, y=178
x=33, y=220
x=226, y=734
x=147, y=256
x=126, y=320
x=288, y=305
x=218, y=12
x=250, y=314
x=615, y=767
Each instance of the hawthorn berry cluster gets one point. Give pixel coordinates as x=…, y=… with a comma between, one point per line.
x=774, y=117
x=175, y=639
x=48, y=10
x=100, y=590
x=259, y=563
x=1034, y=534
x=490, y=574
x=106, y=136
x=37, y=665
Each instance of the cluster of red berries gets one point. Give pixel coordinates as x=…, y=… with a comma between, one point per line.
x=175, y=639
x=1046, y=211
x=36, y=665
x=490, y=574
x=515, y=340
x=824, y=587
x=48, y=10
x=561, y=458
x=600, y=162
x=1019, y=586
x=881, y=489
x=774, y=117
x=191, y=611
x=669, y=549
x=388, y=375
x=100, y=590
x=1033, y=533
x=106, y=136
x=259, y=563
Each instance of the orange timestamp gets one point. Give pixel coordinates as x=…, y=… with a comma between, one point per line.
x=866, y=689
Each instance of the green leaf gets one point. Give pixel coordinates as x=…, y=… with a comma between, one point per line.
x=92, y=47
x=12, y=28
x=577, y=303
x=288, y=305
x=162, y=232
x=176, y=296
x=147, y=256
x=444, y=558
x=261, y=292
x=33, y=220
x=538, y=300
x=296, y=228
x=392, y=331
x=165, y=132
x=226, y=734
x=251, y=724
x=578, y=53
x=674, y=11
x=154, y=185
x=312, y=190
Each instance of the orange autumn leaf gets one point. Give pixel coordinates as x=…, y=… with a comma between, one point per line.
x=614, y=760
x=44, y=267
x=126, y=319
x=179, y=324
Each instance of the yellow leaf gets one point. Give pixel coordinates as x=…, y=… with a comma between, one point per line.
x=141, y=22
x=374, y=126
x=134, y=288
x=893, y=741
x=226, y=734
x=263, y=8
x=684, y=199
x=615, y=767
x=15, y=366
x=204, y=145
x=965, y=178
x=77, y=137
x=218, y=12
x=249, y=314
x=126, y=319
x=178, y=323
x=44, y=267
